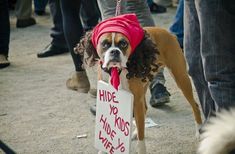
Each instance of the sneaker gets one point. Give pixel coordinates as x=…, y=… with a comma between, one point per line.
x=159, y=95
x=79, y=82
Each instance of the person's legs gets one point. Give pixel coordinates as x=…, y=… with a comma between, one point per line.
x=40, y=6
x=217, y=22
x=155, y=8
x=159, y=93
x=89, y=18
x=177, y=27
x=73, y=31
x=141, y=9
x=192, y=41
x=4, y=28
x=4, y=33
x=107, y=8
x=72, y=27
x=23, y=9
x=57, y=32
x=58, y=44
x=23, y=13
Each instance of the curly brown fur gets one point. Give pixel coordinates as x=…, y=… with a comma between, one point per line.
x=142, y=63
x=86, y=49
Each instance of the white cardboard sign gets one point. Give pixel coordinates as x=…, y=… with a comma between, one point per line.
x=114, y=112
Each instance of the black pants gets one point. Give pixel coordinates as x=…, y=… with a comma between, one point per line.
x=68, y=27
x=4, y=27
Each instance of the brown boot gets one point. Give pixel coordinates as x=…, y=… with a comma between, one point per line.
x=79, y=82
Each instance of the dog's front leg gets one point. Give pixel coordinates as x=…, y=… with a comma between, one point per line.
x=139, y=90
x=139, y=113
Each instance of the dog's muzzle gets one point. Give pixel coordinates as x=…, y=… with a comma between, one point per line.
x=113, y=58
x=115, y=53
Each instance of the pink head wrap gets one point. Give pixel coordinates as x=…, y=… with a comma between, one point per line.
x=126, y=24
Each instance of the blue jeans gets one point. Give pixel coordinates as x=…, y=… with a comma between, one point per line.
x=177, y=27
x=150, y=2
x=4, y=28
x=40, y=5
x=210, y=51
x=139, y=7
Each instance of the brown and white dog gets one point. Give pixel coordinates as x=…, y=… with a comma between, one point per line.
x=157, y=48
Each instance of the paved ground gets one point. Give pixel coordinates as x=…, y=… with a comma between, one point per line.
x=39, y=115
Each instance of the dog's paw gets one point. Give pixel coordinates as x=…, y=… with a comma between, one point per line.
x=198, y=128
x=141, y=147
x=134, y=135
x=197, y=135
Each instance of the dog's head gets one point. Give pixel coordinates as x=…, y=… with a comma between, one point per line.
x=113, y=50
x=125, y=48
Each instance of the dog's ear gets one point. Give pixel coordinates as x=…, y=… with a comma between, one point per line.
x=142, y=62
x=86, y=49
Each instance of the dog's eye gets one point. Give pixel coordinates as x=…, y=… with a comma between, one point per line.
x=122, y=44
x=106, y=44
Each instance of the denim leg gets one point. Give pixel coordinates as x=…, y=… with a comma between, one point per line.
x=57, y=32
x=192, y=41
x=149, y=2
x=72, y=27
x=107, y=8
x=4, y=27
x=141, y=9
x=40, y=5
x=177, y=26
x=159, y=78
x=217, y=22
x=89, y=18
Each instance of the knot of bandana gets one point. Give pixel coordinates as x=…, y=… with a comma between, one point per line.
x=126, y=24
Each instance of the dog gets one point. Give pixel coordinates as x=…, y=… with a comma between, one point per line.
x=138, y=53
x=219, y=134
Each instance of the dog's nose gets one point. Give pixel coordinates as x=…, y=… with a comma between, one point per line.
x=115, y=52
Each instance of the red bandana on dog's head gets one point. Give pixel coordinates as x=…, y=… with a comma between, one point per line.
x=126, y=24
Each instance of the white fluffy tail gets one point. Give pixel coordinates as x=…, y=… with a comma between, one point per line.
x=219, y=135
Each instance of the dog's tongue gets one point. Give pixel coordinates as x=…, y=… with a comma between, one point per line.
x=115, y=80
